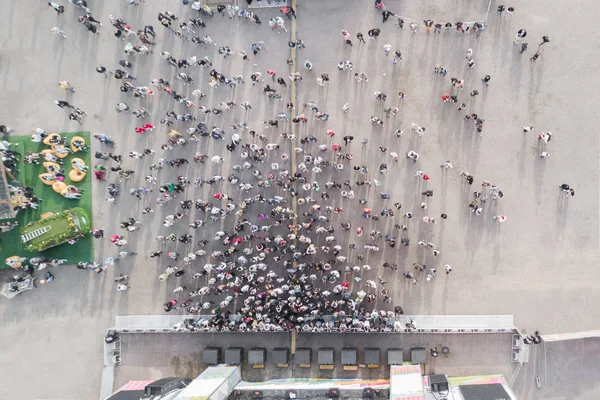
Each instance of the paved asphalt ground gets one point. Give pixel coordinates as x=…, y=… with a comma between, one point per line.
x=537, y=265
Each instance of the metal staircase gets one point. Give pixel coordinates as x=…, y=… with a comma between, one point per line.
x=33, y=234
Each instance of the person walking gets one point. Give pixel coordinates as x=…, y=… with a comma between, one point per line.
x=386, y=15
x=446, y=165
x=523, y=48
x=66, y=86
x=58, y=32
x=75, y=117
x=57, y=7
x=63, y=104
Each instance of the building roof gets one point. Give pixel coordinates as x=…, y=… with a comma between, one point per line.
x=211, y=355
x=406, y=382
x=280, y=355
x=395, y=356
x=303, y=356
x=162, y=382
x=325, y=356
x=234, y=355
x=418, y=355
x=492, y=391
x=127, y=395
x=349, y=356
x=214, y=382
x=257, y=355
x=372, y=356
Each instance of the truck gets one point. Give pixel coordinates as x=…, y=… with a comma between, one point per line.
x=54, y=229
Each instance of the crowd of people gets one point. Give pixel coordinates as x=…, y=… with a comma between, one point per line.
x=275, y=260
x=279, y=265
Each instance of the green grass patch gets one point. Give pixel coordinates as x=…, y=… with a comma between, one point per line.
x=11, y=244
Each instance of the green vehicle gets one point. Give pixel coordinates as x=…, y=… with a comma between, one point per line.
x=54, y=229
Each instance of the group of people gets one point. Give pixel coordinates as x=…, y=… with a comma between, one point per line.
x=279, y=264
x=276, y=259
x=23, y=197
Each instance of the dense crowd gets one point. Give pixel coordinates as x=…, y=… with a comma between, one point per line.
x=262, y=252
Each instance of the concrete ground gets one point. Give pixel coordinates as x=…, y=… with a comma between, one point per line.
x=567, y=370
x=523, y=267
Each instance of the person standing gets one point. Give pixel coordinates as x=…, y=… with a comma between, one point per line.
x=480, y=28
x=520, y=35
x=101, y=70
x=567, y=189
x=468, y=177
x=347, y=37
x=373, y=33
x=288, y=12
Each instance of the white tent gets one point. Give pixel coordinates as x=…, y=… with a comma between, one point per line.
x=406, y=382
x=215, y=383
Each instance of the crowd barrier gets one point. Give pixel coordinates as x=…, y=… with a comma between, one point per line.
x=421, y=21
x=450, y=324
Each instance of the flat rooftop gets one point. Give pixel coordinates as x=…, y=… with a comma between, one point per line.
x=567, y=369
x=153, y=356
